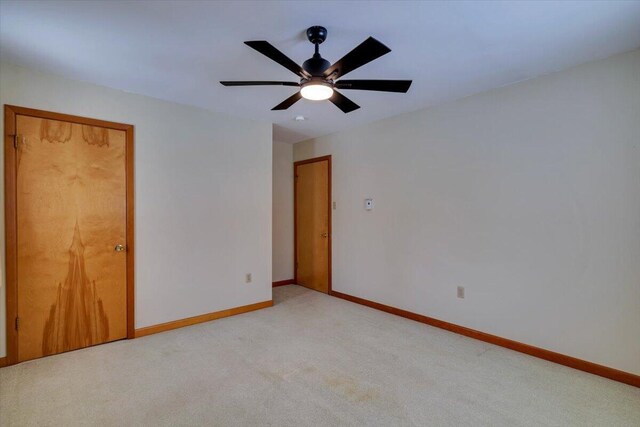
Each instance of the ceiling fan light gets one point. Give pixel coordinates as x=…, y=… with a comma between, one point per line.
x=316, y=91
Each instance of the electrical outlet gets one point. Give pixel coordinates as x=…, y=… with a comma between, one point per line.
x=334, y=206
x=460, y=291
x=248, y=278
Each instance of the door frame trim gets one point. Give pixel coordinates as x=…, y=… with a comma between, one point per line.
x=11, y=241
x=295, y=216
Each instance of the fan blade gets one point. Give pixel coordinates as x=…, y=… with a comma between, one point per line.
x=227, y=83
x=288, y=102
x=342, y=102
x=364, y=53
x=268, y=50
x=401, y=86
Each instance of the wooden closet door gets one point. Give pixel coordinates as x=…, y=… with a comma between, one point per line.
x=312, y=225
x=71, y=236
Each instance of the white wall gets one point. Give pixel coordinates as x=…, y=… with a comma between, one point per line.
x=529, y=196
x=203, y=196
x=282, y=211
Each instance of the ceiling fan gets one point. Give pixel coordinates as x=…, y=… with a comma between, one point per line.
x=319, y=78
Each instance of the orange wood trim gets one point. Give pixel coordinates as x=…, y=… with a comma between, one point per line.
x=284, y=282
x=313, y=160
x=131, y=298
x=295, y=216
x=10, y=113
x=552, y=356
x=202, y=318
x=3, y=362
x=11, y=237
x=68, y=118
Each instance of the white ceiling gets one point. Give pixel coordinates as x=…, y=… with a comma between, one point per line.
x=179, y=50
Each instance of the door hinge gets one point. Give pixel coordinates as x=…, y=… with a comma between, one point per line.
x=296, y=265
x=17, y=323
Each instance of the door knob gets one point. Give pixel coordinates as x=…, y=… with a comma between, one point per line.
x=325, y=235
x=119, y=248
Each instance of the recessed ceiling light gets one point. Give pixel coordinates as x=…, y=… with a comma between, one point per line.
x=300, y=118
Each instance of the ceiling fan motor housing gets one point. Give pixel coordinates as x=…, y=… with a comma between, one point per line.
x=316, y=65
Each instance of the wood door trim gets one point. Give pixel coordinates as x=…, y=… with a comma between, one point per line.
x=541, y=353
x=295, y=216
x=11, y=226
x=31, y=112
x=11, y=236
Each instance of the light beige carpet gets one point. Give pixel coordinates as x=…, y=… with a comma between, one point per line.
x=311, y=360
